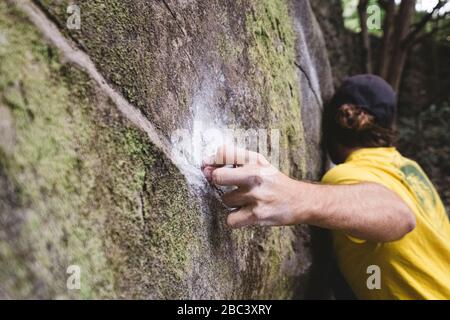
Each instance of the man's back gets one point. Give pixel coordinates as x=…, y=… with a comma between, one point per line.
x=415, y=267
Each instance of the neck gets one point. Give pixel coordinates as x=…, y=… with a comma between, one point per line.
x=341, y=153
x=349, y=151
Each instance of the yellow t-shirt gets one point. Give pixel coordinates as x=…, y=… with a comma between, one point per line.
x=414, y=267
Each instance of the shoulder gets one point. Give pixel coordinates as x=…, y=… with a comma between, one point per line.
x=348, y=173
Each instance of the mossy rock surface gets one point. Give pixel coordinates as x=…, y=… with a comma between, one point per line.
x=81, y=185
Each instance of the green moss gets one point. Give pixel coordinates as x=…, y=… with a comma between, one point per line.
x=229, y=50
x=92, y=185
x=273, y=52
x=45, y=164
x=98, y=16
x=93, y=189
x=279, y=250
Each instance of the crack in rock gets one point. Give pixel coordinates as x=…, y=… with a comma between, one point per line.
x=81, y=59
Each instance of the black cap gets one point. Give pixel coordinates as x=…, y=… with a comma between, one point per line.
x=371, y=93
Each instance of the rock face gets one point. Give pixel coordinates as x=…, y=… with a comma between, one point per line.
x=88, y=179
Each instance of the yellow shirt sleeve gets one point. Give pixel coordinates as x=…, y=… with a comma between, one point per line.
x=349, y=174
x=413, y=267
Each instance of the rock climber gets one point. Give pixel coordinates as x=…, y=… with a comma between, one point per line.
x=381, y=207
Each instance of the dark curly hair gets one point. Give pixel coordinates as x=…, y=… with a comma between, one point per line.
x=353, y=126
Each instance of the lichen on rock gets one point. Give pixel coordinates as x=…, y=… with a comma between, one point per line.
x=80, y=184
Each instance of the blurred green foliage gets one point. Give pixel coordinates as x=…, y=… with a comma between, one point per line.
x=351, y=17
x=351, y=20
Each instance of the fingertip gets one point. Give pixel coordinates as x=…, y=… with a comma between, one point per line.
x=239, y=219
x=230, y=221
x=207, y=172
x=216, y=177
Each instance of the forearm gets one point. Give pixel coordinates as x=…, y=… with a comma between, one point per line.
x=367, y=211
x=265, y=196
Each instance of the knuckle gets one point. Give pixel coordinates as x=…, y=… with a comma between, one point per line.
x=258, y=212
x=255, y=194
x=255, y=178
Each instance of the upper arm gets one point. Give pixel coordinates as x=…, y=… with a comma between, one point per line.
x=387, y=203
x=345, y=174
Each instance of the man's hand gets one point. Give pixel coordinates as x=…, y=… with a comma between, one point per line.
x=263, y=195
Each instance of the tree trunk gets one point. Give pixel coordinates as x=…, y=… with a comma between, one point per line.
x=386, y=41
x=365, y=40
x=400, y=50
